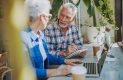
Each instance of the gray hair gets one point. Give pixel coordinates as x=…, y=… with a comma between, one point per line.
x=68, y=6
x=36, y=8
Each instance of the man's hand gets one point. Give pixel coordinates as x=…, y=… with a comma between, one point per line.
x=83, y=52
x=72, y=48
x=72, y=62
x=62, y=54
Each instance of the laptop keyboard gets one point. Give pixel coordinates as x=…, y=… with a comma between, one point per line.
x=91, y=68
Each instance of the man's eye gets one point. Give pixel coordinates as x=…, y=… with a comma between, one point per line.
x=67, y=17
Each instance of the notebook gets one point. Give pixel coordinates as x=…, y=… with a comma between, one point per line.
x=94, y=68
x=76, y=54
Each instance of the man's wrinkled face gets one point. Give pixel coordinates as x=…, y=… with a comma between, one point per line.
x=65, y=17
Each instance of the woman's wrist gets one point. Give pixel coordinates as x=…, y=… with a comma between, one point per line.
x=52, y=72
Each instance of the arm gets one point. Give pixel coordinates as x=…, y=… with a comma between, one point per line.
x=44, y=73
x=61, y=71
x=50, y=43
x=77, y=38
x=40, y=73
x=55, y=59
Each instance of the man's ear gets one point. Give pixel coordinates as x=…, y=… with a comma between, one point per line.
x=73, y=20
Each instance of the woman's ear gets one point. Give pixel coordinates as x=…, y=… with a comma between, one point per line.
x=29, y=22
x=40, y=18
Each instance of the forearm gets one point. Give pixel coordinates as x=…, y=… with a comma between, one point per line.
x=55, y=59
x=53, y=52
x=52, y=72
x=61, y=71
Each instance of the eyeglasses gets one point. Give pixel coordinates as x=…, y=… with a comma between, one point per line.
x=46, y=16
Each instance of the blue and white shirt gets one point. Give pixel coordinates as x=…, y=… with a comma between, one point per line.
x=31, y=45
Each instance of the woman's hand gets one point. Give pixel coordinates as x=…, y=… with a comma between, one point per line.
x=63, y=70
x=72, y=48
x=72, y=61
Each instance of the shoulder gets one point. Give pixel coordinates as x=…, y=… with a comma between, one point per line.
x=74, y=27
x=25, y=36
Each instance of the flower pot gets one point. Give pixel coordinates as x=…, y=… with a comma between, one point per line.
x=93, y=35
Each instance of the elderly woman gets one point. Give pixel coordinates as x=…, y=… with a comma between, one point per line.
x=34, y=41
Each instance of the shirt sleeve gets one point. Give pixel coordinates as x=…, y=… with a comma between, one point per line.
x=41, y=73
x=77, y=37
x=55, y=59
x=25, y=47
x=50, y=41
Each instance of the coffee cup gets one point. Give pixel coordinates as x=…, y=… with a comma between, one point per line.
x=78, y=72
x=96, y=48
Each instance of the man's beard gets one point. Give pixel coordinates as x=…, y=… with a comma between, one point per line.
x=62, y=25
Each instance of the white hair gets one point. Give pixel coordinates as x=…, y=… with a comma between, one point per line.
x=68, y=6
x=37, y=7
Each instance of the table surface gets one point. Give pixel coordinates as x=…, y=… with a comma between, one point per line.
x=112, y=69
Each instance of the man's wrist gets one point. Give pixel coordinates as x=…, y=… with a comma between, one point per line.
x=62, y=53
x=67, y=52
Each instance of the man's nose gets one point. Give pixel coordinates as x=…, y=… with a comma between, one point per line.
x=64, y=18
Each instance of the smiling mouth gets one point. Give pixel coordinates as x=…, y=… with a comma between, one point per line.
x=62, y=23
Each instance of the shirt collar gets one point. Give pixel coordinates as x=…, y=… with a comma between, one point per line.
x=69, y=26
x=33, y=35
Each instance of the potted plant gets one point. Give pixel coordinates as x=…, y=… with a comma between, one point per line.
x=105, y=22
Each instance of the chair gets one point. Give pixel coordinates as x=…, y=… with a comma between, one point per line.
x=5, y=71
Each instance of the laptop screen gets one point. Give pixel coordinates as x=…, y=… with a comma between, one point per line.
x=102, y=59
x=106, y=46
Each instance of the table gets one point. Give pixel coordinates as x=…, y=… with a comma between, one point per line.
x=112, y=69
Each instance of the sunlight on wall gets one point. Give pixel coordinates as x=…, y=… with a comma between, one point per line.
x=17, y=18
x=18, y=14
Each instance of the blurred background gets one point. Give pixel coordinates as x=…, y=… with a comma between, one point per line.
x=96, y=20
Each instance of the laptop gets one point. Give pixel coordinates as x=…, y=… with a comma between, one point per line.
x=94, y=68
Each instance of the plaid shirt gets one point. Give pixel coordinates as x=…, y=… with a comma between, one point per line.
x=57, y=41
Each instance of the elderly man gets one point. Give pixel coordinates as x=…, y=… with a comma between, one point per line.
x=34, y=43
x=63, y=38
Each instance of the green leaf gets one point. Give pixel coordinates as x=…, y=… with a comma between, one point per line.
x=94, y=37
x=90, y=10
x=55, y=7
x=90, y=6
x=87, y=2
